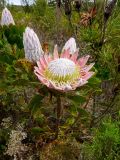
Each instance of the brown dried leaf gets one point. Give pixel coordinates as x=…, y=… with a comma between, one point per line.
x=87, y=17
x=45, y=47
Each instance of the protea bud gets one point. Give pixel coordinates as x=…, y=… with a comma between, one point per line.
x=32, y=46
x=71, y=45
x=7, y=18
x=68, y=8
x=108, y=10
x=58, y=3
x=78, y=4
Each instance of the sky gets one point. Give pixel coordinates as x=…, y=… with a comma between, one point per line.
x=18, y=2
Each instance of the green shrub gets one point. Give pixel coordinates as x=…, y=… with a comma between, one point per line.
x=106, y=142
x=40, y=7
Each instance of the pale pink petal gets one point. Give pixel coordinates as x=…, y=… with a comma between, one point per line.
x=38, y=63
x=49, y=58
x=74, y=56
x=83, y=83
x=45, y=58
x=43, y=63
x=88, y=75
x=61, y=88
x=68, y=88
x=80, y=82
x=38, y=70
x=42, y=79
x=88, y=67
x=55, y=54
x=82, y=61
x=65, y=54
x=53, y=85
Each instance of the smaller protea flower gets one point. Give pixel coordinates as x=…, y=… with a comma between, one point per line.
x=71, y=45
x=7, y=18
x=65, y=72
x=32, y=46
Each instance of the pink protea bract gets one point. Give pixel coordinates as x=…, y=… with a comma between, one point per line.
x=65, y=72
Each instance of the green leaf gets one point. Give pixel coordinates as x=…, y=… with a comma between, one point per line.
x=73, y=110
x=83, y=112
x=39, y=118
x=35, y=103
x=37, y=130
x=4, y=58
x=94, y=81
x=14, y=35
x=70, y=121
x=77, y=99
x=1, y=44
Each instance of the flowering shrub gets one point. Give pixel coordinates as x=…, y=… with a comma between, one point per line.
x=57, y=96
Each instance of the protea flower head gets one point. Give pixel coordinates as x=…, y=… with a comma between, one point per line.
x=32, y=46
x=71, y=45
x=7, y=18
x=65, y=72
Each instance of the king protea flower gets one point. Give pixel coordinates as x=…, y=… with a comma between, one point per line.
x=32, y=46
x=7, y=18
x=71, y=45
x=65, y=72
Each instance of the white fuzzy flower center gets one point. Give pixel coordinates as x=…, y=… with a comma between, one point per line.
x=62, y=71
x=62, y=67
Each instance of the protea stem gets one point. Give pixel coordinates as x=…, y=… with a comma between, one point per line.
x=58, y=115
